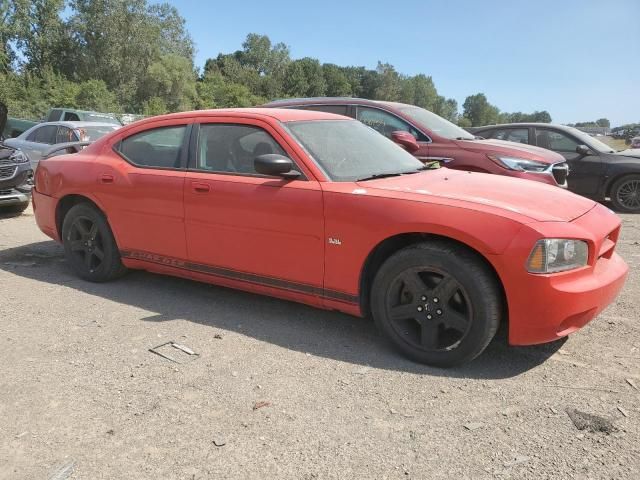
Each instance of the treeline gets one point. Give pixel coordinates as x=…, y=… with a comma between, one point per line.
x=135, y=57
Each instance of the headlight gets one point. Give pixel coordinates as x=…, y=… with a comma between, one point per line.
x=557, y=255
x=519, y=164
x=19, y=157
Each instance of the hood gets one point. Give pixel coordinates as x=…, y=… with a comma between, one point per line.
x=631, y=152
x=536, y=200
x=501, y=147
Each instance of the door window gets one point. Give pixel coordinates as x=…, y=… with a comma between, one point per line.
x=519, y=135
x=159, y=147
x=384, y=122
x=232, y=148
x=45, y=134
x=337, y=109
x=64, y=135
x=71, y=117
x=556, y=141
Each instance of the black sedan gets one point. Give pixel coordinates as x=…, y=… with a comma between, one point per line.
x=596, y=170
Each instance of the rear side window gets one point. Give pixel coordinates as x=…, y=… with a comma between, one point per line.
x=46, y=134
x=519, y=135
x=159, y=147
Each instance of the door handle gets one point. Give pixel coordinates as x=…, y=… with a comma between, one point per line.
x=106, y=178
x=200, y=187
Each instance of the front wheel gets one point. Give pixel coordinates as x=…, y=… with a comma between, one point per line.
x=89, y=245
x=437, y=303
x=625, y=194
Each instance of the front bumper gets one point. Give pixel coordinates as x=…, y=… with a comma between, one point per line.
x=543, y=308
x=12, y=197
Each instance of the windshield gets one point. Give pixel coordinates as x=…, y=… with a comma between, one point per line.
x=435, y=123
x=97, y=117
x=348, y=150
x=592, y=142
x=91, y=134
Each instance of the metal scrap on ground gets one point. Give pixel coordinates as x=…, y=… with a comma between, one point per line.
x=164, y=349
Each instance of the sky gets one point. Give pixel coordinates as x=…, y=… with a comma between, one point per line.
x=577, y=59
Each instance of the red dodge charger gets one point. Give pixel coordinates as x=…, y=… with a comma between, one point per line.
x=321, y=209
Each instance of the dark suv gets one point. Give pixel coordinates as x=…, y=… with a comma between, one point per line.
x=597, y=170
x=439, y=140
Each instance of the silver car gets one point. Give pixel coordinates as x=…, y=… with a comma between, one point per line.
x=39, y=138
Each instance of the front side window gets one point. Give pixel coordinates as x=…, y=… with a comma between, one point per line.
x=231, y=148
x=71, y=117
x=348, y=150
x=158, y=147
x=65, y=135
x=384, y=122
x=556, y=141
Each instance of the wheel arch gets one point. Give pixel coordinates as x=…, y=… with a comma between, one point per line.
x=390, y=245
x=69, y=201
x=611, y=181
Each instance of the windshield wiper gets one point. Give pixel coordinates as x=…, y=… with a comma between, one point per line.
x=379, y=175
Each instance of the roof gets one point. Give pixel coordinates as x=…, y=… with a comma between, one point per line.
x=525, y=124
x=333, y=100
x=280, y=114
x=70, y=124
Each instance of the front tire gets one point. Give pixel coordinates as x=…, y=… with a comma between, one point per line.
x=437, y=303
x=89, y=245
x=625, y=194
x=15, y=210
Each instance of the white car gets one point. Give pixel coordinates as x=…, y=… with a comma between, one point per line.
x=39, y=138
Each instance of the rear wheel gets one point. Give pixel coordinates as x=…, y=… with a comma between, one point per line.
x=89, y=245
x=437, y=303
x=625, y=194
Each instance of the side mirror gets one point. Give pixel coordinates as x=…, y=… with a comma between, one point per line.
x=583, y=150
x=275, y=165
x=406, y=140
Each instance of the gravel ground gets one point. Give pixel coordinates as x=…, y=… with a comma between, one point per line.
x=280, y=390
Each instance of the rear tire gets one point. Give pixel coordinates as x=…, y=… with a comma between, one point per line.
x=89, y=245
x=437, y=303
x=625, y=194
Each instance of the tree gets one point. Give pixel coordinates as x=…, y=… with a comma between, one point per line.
x=336, y=81
x=420, y=91
x=479, y=111
x=214, y=91
x=447, y=108
x=389, y=83
x=603, y=122
x=95, y=95
x=172, y=79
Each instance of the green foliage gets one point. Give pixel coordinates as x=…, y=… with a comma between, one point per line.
x=136, y=56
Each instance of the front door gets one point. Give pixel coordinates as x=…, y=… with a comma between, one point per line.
x=585, y=171
x=244, y=226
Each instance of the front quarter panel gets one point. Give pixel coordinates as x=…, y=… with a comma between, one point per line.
x=357, y=222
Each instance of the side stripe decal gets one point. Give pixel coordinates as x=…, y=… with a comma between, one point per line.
x=237, y=275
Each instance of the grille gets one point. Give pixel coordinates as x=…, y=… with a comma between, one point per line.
x=560, y=172
x=7, y=161
x=7, y=172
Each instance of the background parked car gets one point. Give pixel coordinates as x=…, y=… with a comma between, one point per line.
x=15, y=180
x=35, y=141
x=597, y=171
x=635, y=142
x=72, y=115
x=440, y=140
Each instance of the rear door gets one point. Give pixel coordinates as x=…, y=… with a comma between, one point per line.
x=140, y=183
x=585, y=171
x=244, y=226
